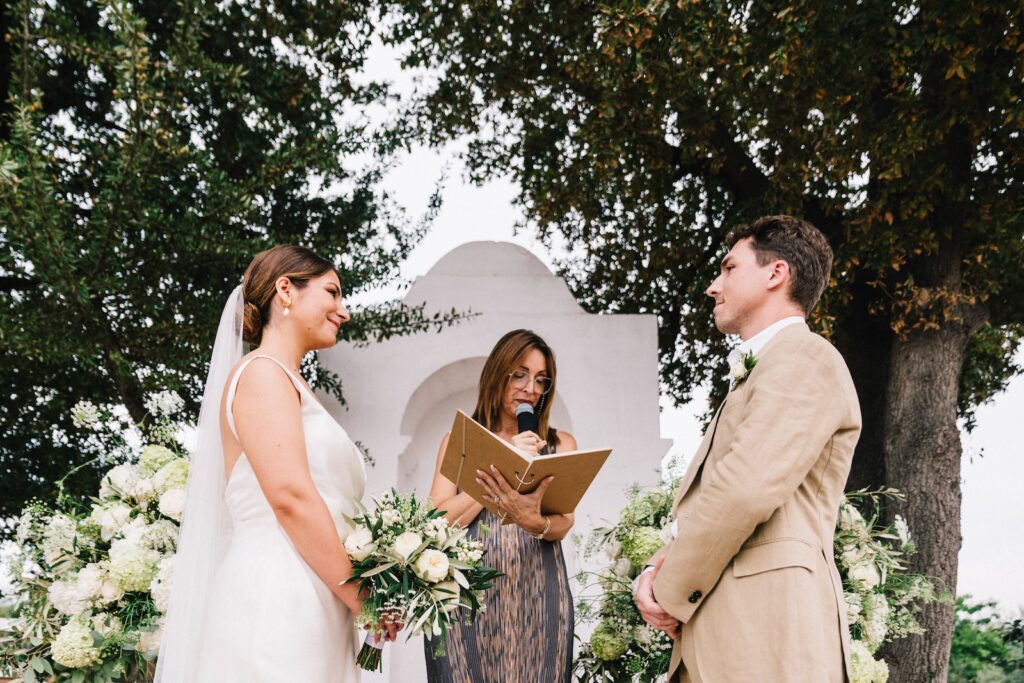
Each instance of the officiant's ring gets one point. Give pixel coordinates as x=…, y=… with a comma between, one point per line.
x=495, y=499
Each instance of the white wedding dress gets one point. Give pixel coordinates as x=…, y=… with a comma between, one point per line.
x=270, y=618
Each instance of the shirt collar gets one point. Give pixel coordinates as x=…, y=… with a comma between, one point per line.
x=759, y=340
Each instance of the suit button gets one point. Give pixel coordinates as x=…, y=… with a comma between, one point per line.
x=695, y=596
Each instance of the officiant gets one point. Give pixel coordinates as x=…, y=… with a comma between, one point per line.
x=526, y=633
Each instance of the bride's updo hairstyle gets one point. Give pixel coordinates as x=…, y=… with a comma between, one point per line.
x=298, y=264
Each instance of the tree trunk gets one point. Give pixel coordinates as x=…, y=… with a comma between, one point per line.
x=922, y=457
x=866, y=343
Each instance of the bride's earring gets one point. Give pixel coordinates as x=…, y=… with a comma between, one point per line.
x=287, y=303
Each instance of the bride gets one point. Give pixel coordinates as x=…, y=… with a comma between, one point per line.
x=257, y=591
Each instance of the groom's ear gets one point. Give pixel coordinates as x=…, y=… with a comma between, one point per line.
x=780, y=275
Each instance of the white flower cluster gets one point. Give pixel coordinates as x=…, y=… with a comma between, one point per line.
x=96, y=579
x=85, y=414
x=164, y=403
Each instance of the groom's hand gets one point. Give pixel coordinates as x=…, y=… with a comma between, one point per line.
x=649, y=608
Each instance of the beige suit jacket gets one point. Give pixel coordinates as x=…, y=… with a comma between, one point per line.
x=751, y=573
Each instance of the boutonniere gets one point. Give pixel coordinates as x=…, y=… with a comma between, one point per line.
x=741, y=368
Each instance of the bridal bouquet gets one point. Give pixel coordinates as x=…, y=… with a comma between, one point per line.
x=415, y=570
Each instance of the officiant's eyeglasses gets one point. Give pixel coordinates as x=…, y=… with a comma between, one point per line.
x=520, y=380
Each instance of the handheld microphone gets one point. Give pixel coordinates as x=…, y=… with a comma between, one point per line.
x=526, y=418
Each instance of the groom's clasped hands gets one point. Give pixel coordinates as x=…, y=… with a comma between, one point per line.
x=652, y=612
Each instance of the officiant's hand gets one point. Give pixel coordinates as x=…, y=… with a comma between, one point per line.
x=528, y=442
x=523, y=510
x=650, y=610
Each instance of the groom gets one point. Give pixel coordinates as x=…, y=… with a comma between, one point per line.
x=748, y=587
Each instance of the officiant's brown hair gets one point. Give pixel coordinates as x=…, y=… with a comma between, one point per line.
x=259, y=285
x=494, y=379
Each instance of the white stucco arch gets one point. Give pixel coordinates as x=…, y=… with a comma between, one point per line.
x=402, y=393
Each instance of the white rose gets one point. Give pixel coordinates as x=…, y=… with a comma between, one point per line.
x=110, y=591
x=120, y=481
x=90, y=581
x=623, y=567
x=406, y=544
x=866, y=574
x=149, y=641
x=612, y=549
x=447, y=593
x=359, y=543
x=737, y=370
x=431, y=565
x=172, y=504
x=666, y=533
x=110, y=519
x=66, y=599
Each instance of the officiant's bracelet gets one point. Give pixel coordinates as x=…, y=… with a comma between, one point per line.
x=547, y=526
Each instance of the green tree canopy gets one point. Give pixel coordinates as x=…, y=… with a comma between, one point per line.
x=641, y=132
x=148, y=150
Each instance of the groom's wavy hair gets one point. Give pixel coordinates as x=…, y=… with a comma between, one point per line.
x=298, y=264
x=799, y=244
x=494, y=379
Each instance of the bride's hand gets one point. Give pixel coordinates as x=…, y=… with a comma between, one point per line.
x=524, y=510
x=528, y=442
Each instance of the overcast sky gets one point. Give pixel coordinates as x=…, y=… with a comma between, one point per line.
x=992, y=556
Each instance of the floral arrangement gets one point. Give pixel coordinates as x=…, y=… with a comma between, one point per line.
x=881, y=596
x=92, y=579
x=414, y=569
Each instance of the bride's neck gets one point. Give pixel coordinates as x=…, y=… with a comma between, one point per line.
x=282, y=347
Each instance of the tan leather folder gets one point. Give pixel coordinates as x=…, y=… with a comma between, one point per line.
x=471, y=447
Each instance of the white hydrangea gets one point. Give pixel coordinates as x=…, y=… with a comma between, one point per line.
x=390, y=516
x=74, y=646
x=173, y=475
x=160, y=587
x=153, y=458
x=161, y=535
x=853, y=608
x=85, y=414
x=172, y=504
x=865, y=668
x=876, y=623
x=66, y=598
x=110, y=518
x=134, y=567
x=162, y=403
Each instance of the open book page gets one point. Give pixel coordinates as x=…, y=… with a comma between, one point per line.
x=471, y=447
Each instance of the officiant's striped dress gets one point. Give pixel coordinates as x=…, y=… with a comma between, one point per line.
x=525, y=634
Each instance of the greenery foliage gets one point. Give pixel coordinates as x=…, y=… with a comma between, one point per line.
x=149, y=149
x=986, y=647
